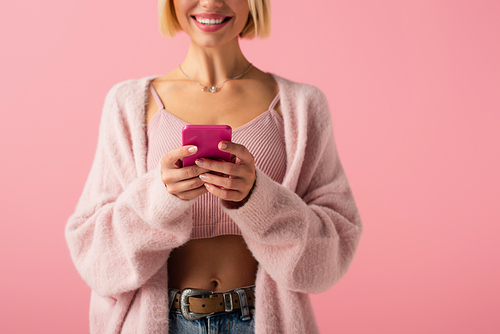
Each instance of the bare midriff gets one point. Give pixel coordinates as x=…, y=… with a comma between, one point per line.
x=215, y=264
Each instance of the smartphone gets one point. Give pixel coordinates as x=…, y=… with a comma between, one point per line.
x=207, y=139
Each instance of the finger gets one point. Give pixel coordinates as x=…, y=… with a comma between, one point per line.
x=185, y=185
x=227, y=168
x=240, y=151
x=225, y=194
x=171, y=176
x=190, y=194
x=171, y=158
x=232, y=183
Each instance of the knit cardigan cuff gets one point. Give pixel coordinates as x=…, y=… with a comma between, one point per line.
x=164, y=204
x=259, y=205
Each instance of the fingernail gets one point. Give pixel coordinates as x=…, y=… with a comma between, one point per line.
x=199, y=162
x=222, y=146
x=193, y=149
x=203, y=177
x=206, y=185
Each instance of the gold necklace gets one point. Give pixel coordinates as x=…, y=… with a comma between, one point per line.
x=216, y=88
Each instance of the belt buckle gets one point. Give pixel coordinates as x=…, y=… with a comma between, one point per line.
x=184, y=303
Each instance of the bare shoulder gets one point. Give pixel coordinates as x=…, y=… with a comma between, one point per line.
x=266, y=80
x=161, y=84
x=265, y=86
x=167, y=82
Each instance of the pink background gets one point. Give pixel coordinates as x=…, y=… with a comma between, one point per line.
x=414, y=91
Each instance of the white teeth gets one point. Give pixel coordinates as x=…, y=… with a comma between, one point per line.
x=209, y=22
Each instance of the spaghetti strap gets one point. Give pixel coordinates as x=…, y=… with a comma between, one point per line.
x=155, y=95
x=275, y=101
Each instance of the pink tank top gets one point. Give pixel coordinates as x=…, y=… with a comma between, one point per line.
x=263, y=137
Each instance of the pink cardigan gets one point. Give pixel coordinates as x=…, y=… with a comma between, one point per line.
x=303, y=232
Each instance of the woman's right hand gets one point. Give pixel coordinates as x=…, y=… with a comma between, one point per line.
x=183, y=182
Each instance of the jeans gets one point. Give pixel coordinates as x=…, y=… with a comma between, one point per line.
x=219, y=323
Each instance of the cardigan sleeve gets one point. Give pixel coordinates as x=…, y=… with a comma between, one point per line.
x=304, y=242
x=124, y=224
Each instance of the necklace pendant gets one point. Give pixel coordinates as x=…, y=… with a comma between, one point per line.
x=213, y=89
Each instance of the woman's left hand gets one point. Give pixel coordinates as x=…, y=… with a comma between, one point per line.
x=238, y=176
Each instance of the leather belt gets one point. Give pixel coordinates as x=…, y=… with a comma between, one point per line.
x=199, y=303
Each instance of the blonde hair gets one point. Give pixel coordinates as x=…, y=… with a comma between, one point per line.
x=258, y=24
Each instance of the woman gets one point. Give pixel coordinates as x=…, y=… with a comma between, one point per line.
x=217, y=246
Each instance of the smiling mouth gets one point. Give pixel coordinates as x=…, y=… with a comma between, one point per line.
x=211, y=22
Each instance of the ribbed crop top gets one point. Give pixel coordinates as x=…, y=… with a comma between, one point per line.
x=263, y=137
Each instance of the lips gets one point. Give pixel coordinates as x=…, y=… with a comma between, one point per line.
x=207, y=21
x=210, y=22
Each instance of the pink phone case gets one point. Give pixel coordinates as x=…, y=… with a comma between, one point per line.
x=207, y=139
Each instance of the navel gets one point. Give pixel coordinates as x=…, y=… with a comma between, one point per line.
x=214, y=284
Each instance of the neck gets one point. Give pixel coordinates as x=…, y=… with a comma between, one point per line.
x=211, y=66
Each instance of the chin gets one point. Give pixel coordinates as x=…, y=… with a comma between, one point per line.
x=211, y=42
